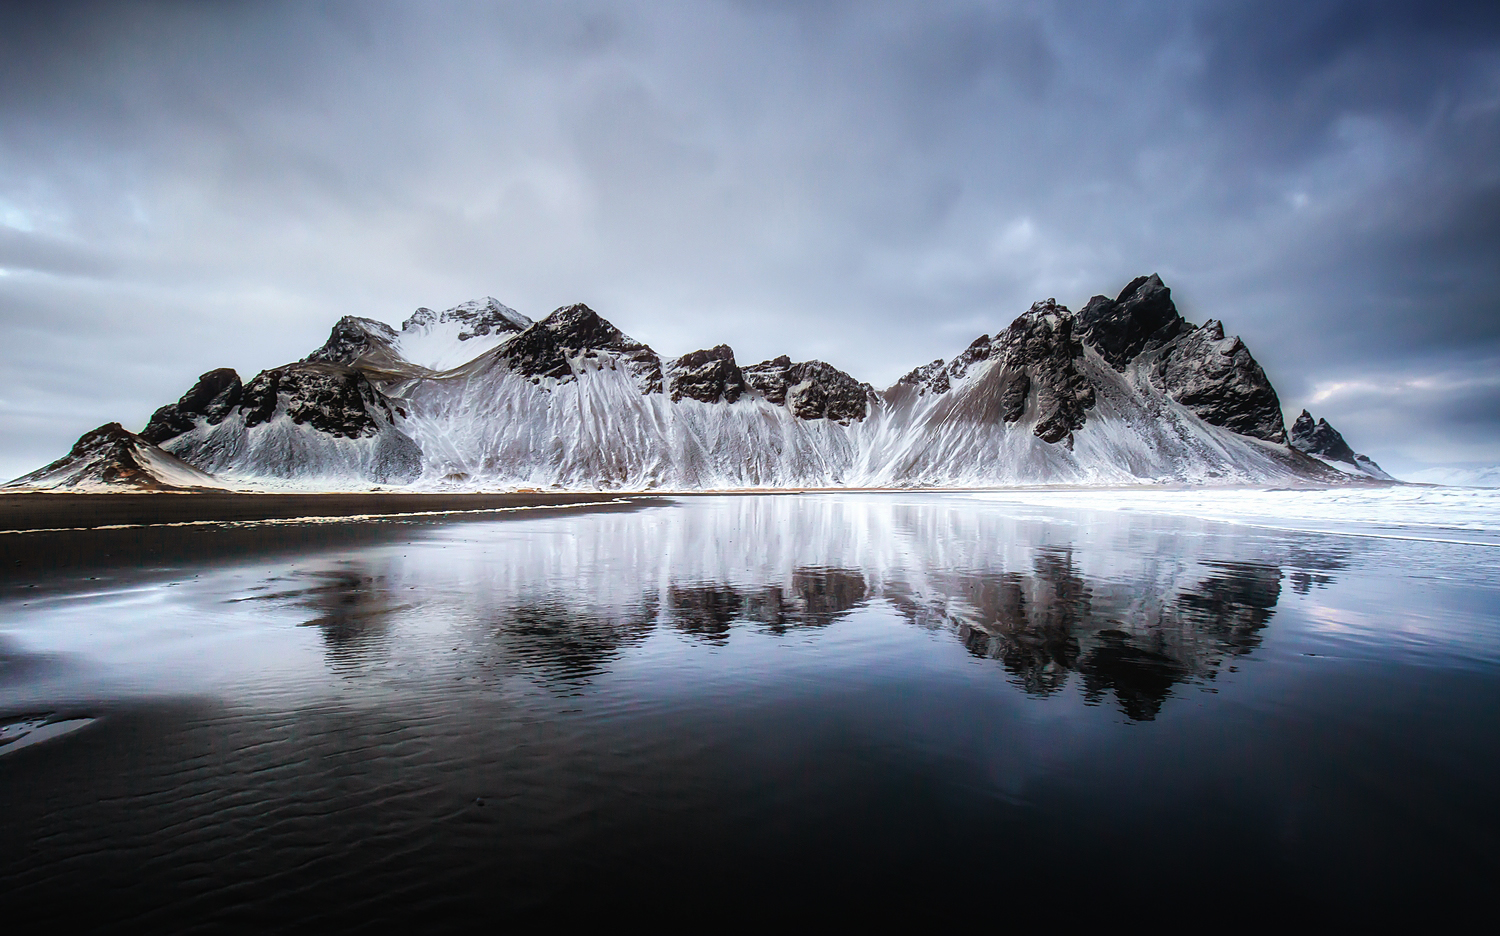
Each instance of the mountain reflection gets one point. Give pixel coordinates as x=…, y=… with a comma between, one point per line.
x=563, y=646
x=353, y=608
x=815, y=597
x=1127, y=614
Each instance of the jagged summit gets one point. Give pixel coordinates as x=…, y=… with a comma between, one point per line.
x=112, y=458
x=474, y=318
x=710, y=376
x=1324, y=442
x=811, y=389
x=480, y=396
x=211, y=399
x=1142, y=317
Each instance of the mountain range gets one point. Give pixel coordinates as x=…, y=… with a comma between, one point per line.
x=480, y=397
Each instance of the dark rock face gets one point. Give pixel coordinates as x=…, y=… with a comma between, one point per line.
x=1221, y=383
x=1320, y=439
x=106, y=454
x=535, y=353
x=708, y=376
x=770, y=378
x=351, y=339
x=1040, y=351
x=213, y=397
x=812, y=389
x=1037, y=352
x=482, y=317
x=543, y=349
x=1141, y=318
x=331, y=398
x=1323, y=440
x=923, y=377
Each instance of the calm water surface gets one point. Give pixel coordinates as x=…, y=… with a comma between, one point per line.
x=740, y=709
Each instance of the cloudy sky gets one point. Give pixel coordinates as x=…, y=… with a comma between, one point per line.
x=194, y=185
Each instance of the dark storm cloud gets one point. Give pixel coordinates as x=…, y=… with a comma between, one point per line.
x=189, y=185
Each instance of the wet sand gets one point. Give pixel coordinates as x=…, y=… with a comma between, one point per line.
x=49, y=539
x=28, y=511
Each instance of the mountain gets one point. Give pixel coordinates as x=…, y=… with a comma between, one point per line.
x=481, y=397
x=1486, y=476
x=113, y=458
x=1324, y=442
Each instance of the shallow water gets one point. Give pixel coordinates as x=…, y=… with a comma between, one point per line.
x=1029, y=707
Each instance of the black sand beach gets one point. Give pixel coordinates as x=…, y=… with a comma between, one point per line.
x=48, y=538
x=33, y=511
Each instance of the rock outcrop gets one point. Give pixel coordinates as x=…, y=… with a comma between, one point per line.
x=1323, y=441
x=708, y=376
x=1141, y=318
x=112, y=457
x=1217, y=379
x=1037, y=368
x=810, y=389
x=211, y=399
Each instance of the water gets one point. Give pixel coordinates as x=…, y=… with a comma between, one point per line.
x=723, y=710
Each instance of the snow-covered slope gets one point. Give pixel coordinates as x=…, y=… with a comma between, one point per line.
x=112, y=458
x=442, y=340
x=1459, y=476
x=480, y=397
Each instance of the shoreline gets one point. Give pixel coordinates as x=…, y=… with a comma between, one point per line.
x=57, y=511
x=35, y=512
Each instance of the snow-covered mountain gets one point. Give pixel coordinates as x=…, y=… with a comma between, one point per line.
x=1484, y=476
x=113, y=458
x=1324, y=443
x=480, y=397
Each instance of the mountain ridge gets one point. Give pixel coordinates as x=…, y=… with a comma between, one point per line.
x=1123, y=391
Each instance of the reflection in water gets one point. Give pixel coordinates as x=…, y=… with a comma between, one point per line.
x=564, y=647
x=354, y=608
x=814, y=597
x=560, y=714
x=1127, y=623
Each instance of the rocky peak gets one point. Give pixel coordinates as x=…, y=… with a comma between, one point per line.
x=1040, y=352
x=113, y=456
x=1320, y=439
x=1326, y=442
x=543, y=349
x=707, y=376
x=811, y=389
x=1219, y=380
x=579, y=328
x=213, y=397
x=352, y=337
x=922, y=377
x=770, y=378
x=478, y=317
x=1141, y=318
